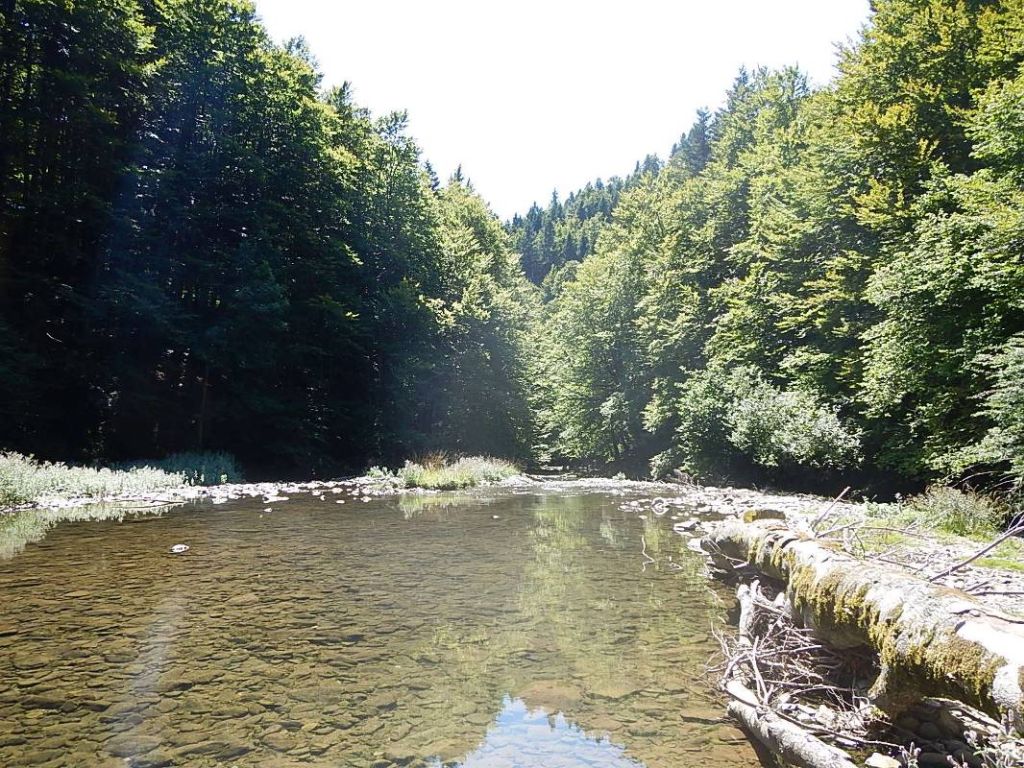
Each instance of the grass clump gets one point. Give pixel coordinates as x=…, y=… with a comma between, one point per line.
x=1001, y=563
x=953, y=511
x=437, y=473
x=24, y=480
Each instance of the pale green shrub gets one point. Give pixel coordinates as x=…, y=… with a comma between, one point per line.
x=24, y=480
x=197, y=468
x=728, y=418
x=790, y=428
x=463, y=473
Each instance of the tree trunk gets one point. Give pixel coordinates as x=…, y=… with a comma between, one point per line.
x=787, y=740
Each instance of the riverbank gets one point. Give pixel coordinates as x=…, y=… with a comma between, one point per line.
x=872, y=532
x=26, y=483
x=866, y=632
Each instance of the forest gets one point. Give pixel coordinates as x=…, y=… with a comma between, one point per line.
x=202, y=247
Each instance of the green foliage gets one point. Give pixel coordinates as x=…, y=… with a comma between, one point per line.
x=465, y=472
x=1001, y=563
x=951, y=510
x=208, y=468
x=548, y=238
x=1003, y=444
x=24, y=480
x=731, y=420
x=701, y=442
x=200, y=249
x=778, y=428
x=816, y=280
x=592, y=385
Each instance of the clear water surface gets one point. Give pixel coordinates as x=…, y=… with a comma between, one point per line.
x=495, y=629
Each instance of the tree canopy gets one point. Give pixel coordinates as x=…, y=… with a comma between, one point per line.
x=202, y=247
x=817, y=280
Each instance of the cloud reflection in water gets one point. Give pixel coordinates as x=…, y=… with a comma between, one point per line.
x=532, y=738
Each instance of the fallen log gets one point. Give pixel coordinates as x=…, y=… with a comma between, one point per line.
x=793, y=744
x=930, y=640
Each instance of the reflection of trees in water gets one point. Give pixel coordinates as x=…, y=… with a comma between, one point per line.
x=569, y=638
x=615, y=623
x=591, y=602
x=30, y=526
x=409, y=632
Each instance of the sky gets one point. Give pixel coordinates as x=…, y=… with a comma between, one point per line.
x=538, y=95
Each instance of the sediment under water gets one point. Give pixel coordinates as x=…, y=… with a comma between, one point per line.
x=487, y=630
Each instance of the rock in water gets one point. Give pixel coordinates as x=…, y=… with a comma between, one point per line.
x=179, y=549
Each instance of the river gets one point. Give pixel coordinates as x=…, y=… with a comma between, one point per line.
x=487, y=629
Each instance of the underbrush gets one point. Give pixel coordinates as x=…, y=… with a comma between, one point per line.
x=949, y=510
x=437, y=473
x=208, y=468
x=737, y=422
x=24, y=480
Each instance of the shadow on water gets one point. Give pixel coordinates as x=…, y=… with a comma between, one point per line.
x=489, y=629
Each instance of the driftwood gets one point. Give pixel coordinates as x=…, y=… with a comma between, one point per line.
x=930, y=640
x=786, y=739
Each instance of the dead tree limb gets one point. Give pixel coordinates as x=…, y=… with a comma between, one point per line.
x=930, y=640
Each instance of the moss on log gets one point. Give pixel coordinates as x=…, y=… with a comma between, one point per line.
x=930, y=640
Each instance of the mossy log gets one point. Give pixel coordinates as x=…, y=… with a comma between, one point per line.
x=930, y=640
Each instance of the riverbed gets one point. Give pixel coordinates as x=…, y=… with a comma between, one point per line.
x=487, y=629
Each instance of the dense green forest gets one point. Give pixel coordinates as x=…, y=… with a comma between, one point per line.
x=201, y=247
x=817, y=281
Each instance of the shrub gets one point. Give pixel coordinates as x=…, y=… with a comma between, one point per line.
x=731, y=418
x=464, y=473
x=663, y=464
x=379, y=473
x=24, y=480
x=961, y=513
x=206, y=468
x=778, y=428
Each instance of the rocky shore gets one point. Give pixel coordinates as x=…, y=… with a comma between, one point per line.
x=925, y=554
x=840, y=647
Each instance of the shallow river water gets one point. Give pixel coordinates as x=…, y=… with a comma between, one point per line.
x=487, y=630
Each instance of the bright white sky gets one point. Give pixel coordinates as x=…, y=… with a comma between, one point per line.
x=549, y=94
